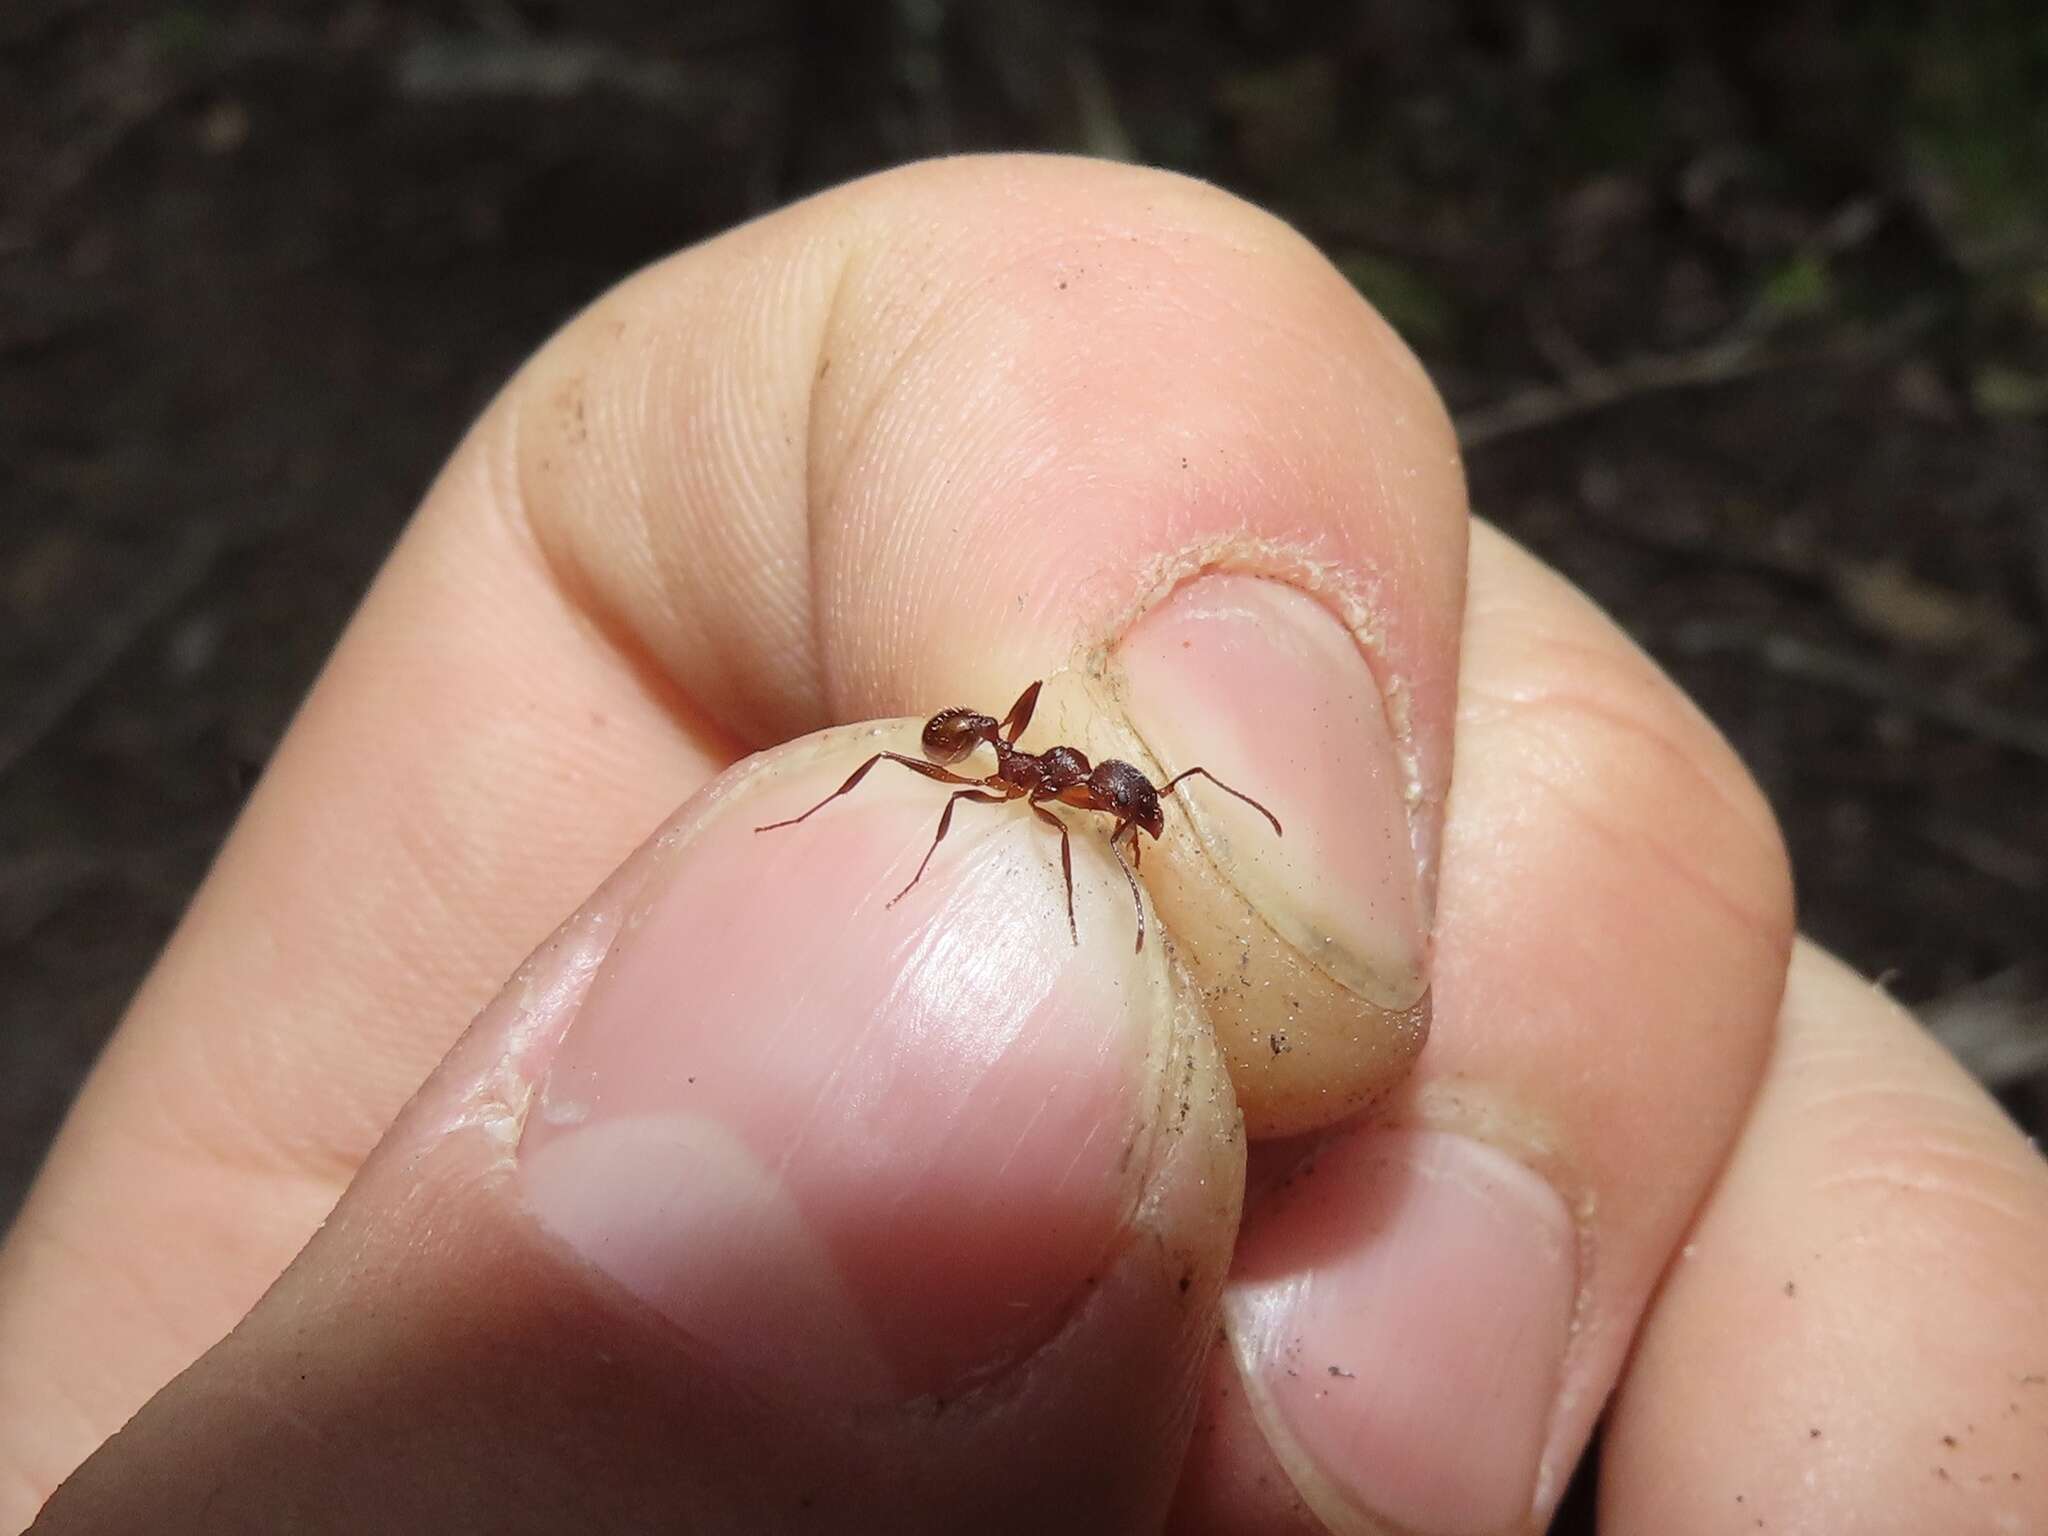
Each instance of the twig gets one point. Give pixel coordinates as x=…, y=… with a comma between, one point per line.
x=1738, y=355
x=1584, y=393
x=1103, y=132
x=1987, y=855
x=1558, y=346
x=169, y=586
x=1801, y=659
x=487, y=65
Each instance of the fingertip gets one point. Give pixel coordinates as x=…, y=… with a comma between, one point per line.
x=772, y=1203
x=932, y=1098
x=1854, y=1336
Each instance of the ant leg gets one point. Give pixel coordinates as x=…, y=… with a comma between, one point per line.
x=1020, y=713
x=1137, y=901
x=1130, y=827
x=1167, y=789
x=915, y=765
x=1066, y=864
x=945, y=821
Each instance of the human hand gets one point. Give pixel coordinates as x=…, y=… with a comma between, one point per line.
x=754, y=1204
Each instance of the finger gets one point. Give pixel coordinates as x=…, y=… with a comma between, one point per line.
x=913, y=443
x=910, y=1223
x=1428, y=1314
x=1172, y=456
x=1855, y=1336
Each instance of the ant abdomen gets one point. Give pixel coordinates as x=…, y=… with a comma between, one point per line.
x=953, y=733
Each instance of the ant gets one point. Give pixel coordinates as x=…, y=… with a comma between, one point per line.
x=1061, y=775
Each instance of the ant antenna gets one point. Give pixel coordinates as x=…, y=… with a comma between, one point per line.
x=1167, y=789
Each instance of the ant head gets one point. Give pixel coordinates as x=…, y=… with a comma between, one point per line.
x=1149, y=815
x=1128, y=793
x=953, y=733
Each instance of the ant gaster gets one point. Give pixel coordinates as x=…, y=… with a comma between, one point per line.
x=1061, y=775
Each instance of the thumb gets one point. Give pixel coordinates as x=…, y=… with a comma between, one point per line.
x=756, y=1202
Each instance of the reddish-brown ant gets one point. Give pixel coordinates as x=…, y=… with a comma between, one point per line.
x=1059, y=774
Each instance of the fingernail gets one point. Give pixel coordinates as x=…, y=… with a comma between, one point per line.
x=1261, y=685
x=1401, y=1309
x=854, y=1152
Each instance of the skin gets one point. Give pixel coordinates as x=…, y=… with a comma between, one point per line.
x=758, y=490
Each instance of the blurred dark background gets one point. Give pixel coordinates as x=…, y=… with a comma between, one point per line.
x=1743, y=311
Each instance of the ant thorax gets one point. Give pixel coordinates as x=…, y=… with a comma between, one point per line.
x=1063, y=767
x=1023, y=770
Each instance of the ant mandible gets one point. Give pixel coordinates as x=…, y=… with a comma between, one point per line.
x=1061, y=775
